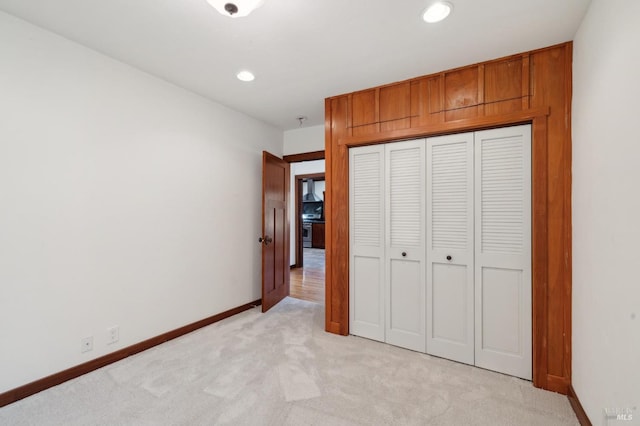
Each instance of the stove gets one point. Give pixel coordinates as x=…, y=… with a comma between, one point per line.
x=306, y=234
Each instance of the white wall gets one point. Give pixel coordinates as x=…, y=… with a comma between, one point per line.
x=606, y=210
x=302, y=168
x=125, y=201
x=304, y=139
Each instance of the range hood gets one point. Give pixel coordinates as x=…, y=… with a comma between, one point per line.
x=311, y=192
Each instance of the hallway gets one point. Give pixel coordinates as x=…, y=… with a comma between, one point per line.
x=307, y=283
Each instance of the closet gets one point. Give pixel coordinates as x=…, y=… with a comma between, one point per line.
x=440, y=246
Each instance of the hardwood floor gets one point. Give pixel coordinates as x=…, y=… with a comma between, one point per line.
x=307, y=283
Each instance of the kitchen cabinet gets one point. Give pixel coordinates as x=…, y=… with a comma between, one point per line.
x=317, y=235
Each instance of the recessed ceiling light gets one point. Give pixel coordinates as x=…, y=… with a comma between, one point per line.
x=235, y=8
x=245, y=76
x=437, y=12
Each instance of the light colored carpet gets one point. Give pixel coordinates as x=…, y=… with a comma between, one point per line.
x=281, y=368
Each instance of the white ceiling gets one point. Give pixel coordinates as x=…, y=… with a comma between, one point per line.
x=301, y=51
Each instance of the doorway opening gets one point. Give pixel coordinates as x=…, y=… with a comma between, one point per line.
x=307, y=274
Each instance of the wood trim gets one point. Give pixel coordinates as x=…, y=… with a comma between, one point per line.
x=335, y=328
x=556, y=384
x=349, y=115
x=55, y=379
x=336, y=251
x=442, y=97
x=457, y=126
x=539, y=177
x=328, y=170
x=568, y=225
x=298, y=236
x=306, y=156
x=526, y=74
x=481, y=89
x=577, y=407
x=516, y=56
x=376, y=109
x=314, y=176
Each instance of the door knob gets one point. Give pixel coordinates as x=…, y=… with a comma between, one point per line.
x=404, y=254
x=448, y=257
x=266, y=240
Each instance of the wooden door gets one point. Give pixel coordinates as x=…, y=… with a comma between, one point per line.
x=450, y=247
x=404, y=254
x=503, y=250
x=275, y=230
x=366, y=248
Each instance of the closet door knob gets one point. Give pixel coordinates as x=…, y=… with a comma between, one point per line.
x=449, y=257
x=404, y=254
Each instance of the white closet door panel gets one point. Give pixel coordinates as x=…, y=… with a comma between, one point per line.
x=366, y=266
x=449, y=277
x=404, y=228
x=503, y=250
x=405, y=193
x=450, y=316
x=367, y=196
x=502, y=307
x=367, y=307
x=406, y=308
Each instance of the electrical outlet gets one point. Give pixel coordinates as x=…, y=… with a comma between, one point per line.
x=86, y=344
x=113, y=334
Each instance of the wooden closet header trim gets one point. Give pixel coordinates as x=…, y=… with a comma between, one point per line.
x=450, y=127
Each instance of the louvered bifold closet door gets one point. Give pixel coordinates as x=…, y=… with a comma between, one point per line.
x=503, y=250
x=366, y=267
x=404, y=219
x=450, y=247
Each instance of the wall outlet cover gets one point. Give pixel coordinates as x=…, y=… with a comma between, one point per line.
x=113, y=334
